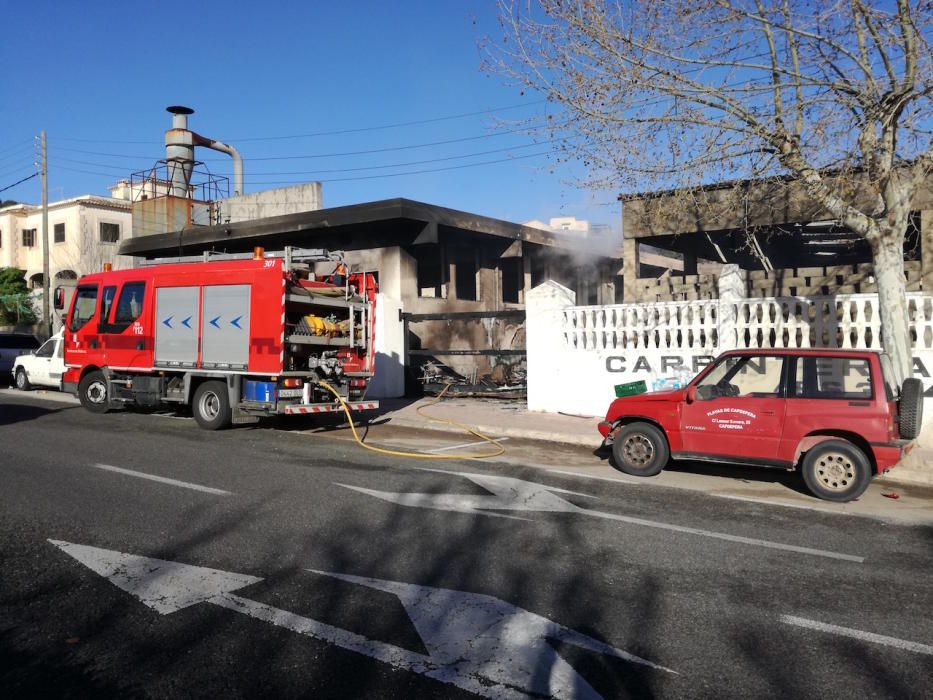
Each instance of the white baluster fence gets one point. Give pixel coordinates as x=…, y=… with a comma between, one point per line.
x=577, y=354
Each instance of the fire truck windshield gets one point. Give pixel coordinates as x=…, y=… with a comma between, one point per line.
x=85, y=305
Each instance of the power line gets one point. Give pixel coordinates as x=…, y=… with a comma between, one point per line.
x=23, y=152
x=338, y=132
x=364, y=177
x=350, y=170
x=388, y=149
x=19, y=181
x=21, y=144
x=17, y=170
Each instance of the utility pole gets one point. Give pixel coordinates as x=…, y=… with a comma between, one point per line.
x=46, y=315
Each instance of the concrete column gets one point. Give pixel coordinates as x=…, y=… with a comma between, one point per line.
x=690, y=264
x=543, y=341
x=630, y=271
x=926, y=250
x=731, y=291
x=526, y=272
x=388, y=379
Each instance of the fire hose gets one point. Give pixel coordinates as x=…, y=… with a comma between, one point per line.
x=420, y=455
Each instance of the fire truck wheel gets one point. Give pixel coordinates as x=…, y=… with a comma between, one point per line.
x=640, y=449
x=836, y=470
x=211, y=405
x=93, y=392
x=22, y=381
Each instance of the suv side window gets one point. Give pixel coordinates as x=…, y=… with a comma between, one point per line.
x=847, y=378
x=757, y=376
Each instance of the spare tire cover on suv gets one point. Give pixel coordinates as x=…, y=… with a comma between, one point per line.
x=910, y=408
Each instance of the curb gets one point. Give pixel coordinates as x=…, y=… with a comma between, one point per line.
x=500, y=431
x=898, y=476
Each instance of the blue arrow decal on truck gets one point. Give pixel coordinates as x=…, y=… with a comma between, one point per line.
x=168, y=322
x=236, y=322
x=214, y=322
x=186, y=323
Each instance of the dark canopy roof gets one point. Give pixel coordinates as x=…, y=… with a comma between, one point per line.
x=371, y=224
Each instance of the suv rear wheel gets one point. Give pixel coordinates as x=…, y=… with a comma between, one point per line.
x=640, y=449
x=836, y=470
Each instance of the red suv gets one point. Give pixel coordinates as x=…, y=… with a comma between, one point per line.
x=837, y=415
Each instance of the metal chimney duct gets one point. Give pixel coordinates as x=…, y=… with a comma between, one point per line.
x=179, y=152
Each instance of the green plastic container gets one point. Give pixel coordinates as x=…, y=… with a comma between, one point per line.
x=631, y=389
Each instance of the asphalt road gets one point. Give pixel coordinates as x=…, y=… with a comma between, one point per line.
x=327, y=571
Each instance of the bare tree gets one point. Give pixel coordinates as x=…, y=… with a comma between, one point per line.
x=681, y=93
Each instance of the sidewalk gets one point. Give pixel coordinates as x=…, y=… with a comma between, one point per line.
x=495, y=418
x=504, y=418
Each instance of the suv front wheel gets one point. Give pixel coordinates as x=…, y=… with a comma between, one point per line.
x=640, y=449
x=836, y=470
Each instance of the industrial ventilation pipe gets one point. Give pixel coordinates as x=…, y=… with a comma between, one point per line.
x=179, y=152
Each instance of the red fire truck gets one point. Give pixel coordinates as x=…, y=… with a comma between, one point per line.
x=233, y=336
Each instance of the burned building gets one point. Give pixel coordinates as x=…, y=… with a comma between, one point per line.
x=674, y=242
x=436, y=261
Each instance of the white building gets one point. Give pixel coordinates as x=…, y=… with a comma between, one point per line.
x=84, y=233
x=570, y=224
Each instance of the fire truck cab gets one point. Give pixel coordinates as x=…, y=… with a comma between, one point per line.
x=235, y=337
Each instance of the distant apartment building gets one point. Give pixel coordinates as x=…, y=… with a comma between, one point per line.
x=571, y=225
x=84, y=233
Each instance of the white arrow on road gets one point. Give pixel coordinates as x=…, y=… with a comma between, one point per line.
x=475, y=642
x=516, y=495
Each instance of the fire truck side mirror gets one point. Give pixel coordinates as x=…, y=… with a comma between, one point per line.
x=691, y=394
x=59, y=300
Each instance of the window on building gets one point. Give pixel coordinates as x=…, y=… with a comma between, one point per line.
x=512, y=279
x=29, y=237
x=131, y=302
x=431, y=273
x=59, y=233
x=465, y=271
x=109, y=233
x=36, y=281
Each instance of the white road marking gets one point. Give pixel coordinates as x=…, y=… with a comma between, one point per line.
x=785, y=504
x=615, y=480
x=858, y=634
x=171, y=415
x=517, y=495
x=163, y=480
x=475, y=642
x=465, y=444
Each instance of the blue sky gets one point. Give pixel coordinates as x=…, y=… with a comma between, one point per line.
x=97, y=77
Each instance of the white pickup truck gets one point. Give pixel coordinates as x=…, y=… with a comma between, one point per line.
x=44, y=367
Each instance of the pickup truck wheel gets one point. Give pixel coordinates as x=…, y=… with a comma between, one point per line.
x=22, y=381
x=910, y=408
x=640, y=449
x=211, y=405
x=836, y=470
x=92, y=392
